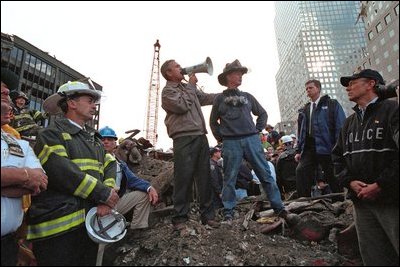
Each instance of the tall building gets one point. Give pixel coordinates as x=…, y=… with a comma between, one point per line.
x=316, y=40
x=40, y=75
x=381, y=20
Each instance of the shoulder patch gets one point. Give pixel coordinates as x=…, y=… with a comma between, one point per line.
x=66, y=136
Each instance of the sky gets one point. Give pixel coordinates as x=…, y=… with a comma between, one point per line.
x=112, y=43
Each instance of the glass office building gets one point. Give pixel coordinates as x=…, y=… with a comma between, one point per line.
x=40, y=75
x=316, y=40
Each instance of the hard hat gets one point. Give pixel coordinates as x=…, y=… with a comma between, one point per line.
x=286, y=139
x=293, y=136
x=50, y=105
x=14, y=95
x=107, y=229
x=108, y=132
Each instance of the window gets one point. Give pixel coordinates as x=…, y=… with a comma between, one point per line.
x=370, y=35
x=388, y=19
x=391, y=33
x=379, y=27
x=386, y=54
x=389, y=68
x=383, y=41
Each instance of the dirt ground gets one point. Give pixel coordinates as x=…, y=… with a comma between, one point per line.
x=160, y=245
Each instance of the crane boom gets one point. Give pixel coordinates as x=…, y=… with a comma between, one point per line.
x=152, y=100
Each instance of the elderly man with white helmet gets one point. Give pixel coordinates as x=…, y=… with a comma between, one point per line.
x=81, y=176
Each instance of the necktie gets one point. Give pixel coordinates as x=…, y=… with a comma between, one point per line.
x=310, y=128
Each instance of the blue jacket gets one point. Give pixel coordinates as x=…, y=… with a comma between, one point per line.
x=327, y=121
x=130, y=180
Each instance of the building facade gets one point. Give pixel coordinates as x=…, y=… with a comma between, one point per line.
x=40, y=75
x=316, y=40
x=381, y=20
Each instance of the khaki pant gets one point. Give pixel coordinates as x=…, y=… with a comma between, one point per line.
x=140, y=203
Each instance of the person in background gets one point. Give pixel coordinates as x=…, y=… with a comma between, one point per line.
x=135, y=193
x=186, y=126
x=319, y=123
x=366, y=161
x=216, y=176
x=25, y=121
x=286, y=167
x=81, y=176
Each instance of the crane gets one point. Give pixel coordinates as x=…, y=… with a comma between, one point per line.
x=152, y=100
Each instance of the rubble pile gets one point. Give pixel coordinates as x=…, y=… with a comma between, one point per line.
x=232, y=245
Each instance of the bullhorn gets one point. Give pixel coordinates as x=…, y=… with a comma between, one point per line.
x=205, y=67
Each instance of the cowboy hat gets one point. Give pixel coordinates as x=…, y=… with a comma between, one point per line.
x=231, y=67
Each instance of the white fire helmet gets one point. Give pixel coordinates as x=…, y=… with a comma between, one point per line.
x=107, y=229
x=286, y=139
x=51, y=106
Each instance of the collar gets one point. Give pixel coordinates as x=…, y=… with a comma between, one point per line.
x=371, y=102
x=317, y=101
x=72, y=127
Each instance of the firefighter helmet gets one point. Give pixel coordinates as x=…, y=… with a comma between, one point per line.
x=286, y=139
x=106, y=229
x=14, y=95
x=108, y=132
x=51, y=104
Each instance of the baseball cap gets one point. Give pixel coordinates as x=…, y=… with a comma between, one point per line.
x=367, y=73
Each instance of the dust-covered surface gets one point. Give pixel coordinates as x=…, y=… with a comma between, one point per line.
x=228, y=245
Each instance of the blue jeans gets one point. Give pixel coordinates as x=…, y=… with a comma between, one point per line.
x=251, y=149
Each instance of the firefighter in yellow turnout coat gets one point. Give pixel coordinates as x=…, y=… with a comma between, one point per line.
x=81, y=176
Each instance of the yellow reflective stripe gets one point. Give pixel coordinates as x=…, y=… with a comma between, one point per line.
x=108, y=159
x=86, y=186
x=23, y=116
x=55, y=226
x=48, y=150
x=37, y=114
x=66, y=136
x=89, y=164
x=109, y=182
x=25, y=127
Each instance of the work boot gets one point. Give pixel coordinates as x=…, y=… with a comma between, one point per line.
x=227, y=221
x=290, y=218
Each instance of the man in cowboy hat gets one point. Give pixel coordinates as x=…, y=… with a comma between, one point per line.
x=186, y=126
x=232, y=123
x=81, y=176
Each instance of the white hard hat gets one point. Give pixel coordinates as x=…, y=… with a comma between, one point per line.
x=286, y=139
x=107, y=229
x=50, y=105
x=293, y=136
